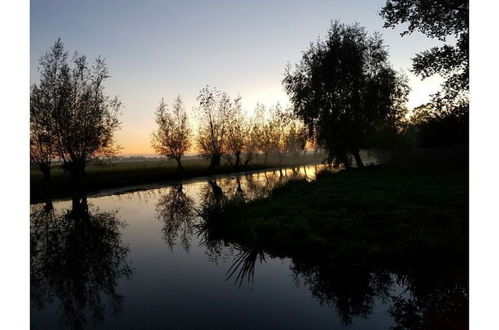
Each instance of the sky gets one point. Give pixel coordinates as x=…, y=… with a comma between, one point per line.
x=161, y=49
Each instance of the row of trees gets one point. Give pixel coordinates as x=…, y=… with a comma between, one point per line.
x=344, y=93
x=226, y=131
x=73, y=120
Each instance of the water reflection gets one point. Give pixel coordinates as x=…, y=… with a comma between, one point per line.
x=419, y=298
x=425, y=296
x=175, y=210
x=243, y=266
x=434, y=298
x=77, y=257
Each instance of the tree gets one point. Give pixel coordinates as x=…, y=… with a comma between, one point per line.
x=345, y=90
x=277, y=128
x=441, y=20
x=172, y=137
x=263, y=132
x=237, y=131
x=253, y=136
x=41, y=148
x=213, y=110
x=296, y=137
x=70, y=106
x=430, y=127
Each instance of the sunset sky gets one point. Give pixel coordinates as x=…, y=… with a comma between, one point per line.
x=158, y=49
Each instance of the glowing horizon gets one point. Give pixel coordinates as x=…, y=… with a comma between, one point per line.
x=176, y=48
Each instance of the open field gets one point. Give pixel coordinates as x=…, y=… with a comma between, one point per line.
x=129, y=173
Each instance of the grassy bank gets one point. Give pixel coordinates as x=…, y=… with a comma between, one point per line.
x=129, y=173
x=379, y=215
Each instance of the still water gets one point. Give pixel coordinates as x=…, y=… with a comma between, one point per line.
x=141, y=260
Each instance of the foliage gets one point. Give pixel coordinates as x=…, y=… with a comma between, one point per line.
x=70, y=106
x=41, y=149
x=172, y=138
x=345, y=90
x=237, y=131
x=430, y=127
x=213, y=110
x=441, y=20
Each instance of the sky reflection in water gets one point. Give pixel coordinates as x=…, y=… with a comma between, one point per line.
x=143, y=260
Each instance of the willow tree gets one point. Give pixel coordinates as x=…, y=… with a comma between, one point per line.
x=70, y=106
x=345, y=89
x=172, y=137
x=296, y=137
x=263, y=132
x=252, y=139
x=237, y=131
x=41, y=150
x=213, y=115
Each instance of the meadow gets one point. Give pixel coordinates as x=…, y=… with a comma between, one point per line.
x=409, y=210
x=123, y=173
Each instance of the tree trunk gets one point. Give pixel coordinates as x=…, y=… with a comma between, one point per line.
x=179, y=163
x=45, y=169
x=74, y=175
x=79, y=206
x=345, y=160
x=238, y=159
x=75, y=169
x=358, y=160
x=215, y=161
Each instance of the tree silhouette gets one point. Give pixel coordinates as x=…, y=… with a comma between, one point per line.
x=213, y=110
x=172, y=137
x=237, y=132
x=345, y=90
x=441, y=20
x=41, y=150
x=70, y=107
x=430, y=127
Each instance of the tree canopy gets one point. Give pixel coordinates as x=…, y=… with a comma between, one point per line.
x=172, y=137
x=213, y=113
x=442, y=19
x=345, y=91
x=70, y=106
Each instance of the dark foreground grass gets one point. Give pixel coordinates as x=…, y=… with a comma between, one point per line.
x=123, y=174
x=379, y=215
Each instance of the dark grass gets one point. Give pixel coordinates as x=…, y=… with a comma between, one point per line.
x=379, y=215
x=130, y=173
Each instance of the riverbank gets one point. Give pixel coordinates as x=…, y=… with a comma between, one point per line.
x=124, y=174
x=386, y=215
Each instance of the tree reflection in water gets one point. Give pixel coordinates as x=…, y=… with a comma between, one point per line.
x=352, y=291
x=435, y=298
x=422, y=296
x=176, y=211
x=77, y=257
